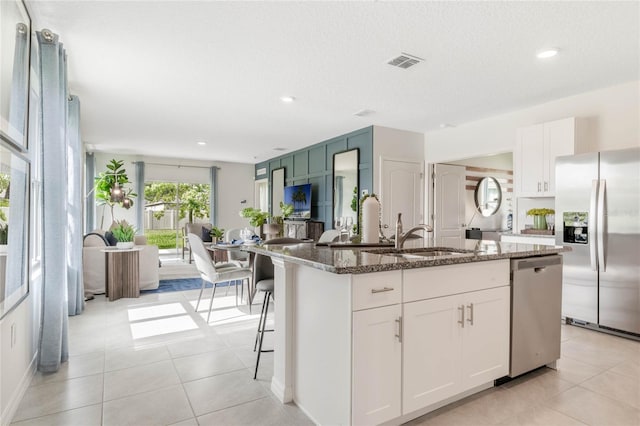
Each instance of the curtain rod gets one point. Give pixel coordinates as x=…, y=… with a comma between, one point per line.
x=175, y=165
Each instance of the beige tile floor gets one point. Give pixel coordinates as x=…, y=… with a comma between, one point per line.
x=154, y=361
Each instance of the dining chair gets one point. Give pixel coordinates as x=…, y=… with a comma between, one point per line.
x=214, y=273
x=329, y=236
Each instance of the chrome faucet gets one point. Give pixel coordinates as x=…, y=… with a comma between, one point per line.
x=401, y=238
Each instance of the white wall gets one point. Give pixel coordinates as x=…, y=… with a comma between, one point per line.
x=394, y=144
x=607, y=119
x=235, y=184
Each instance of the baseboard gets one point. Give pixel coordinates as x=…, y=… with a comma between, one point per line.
x=281, y=392
x=7, y=416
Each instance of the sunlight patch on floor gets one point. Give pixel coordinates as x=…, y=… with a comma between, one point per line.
x=173, y=324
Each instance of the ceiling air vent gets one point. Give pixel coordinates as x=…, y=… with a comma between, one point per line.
x=404, y=60
x=364, y=112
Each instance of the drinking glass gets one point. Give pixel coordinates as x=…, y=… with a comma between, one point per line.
x=349, y=227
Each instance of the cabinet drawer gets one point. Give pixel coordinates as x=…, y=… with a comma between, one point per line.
x=376, y=289
x=438, y=281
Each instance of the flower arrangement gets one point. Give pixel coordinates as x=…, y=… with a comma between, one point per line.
x=540, y=212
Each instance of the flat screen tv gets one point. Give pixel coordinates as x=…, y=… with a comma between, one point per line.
x=299, y=196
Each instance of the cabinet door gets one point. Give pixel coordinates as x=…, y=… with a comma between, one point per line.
x=485, y=342
x=530, y=162
x=559, y=139
x=376, y=365
x=431, y=351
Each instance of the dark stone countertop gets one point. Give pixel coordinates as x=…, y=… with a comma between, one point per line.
x=361, y=260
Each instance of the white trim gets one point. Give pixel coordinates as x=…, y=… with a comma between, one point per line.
x=16, y=398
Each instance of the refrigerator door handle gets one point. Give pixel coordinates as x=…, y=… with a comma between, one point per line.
x=592, y=225
x=601, y=225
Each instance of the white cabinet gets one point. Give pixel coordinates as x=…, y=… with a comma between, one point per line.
x=420, y=336
x=454, y=343
x=376, y=365
x=535, y=155
x=431, y=352
x=485, y=338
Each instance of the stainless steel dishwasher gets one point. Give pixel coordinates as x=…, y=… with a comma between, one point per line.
x=536, y=303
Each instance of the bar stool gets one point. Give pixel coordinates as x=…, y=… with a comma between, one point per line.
x=265, y=286
x=263, y=279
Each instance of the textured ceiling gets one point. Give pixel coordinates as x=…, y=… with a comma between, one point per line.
x=155, y=77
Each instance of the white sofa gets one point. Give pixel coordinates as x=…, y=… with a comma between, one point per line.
x=93, y=264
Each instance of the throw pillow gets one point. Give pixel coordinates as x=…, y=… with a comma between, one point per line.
x=206, y=235
x=111, y=239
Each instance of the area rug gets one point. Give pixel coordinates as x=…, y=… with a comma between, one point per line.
x=180, y=284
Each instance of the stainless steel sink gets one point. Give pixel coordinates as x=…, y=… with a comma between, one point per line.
x=432, y=253
x=421, y=253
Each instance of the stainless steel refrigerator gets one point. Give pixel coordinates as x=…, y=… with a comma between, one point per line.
x=598, y=216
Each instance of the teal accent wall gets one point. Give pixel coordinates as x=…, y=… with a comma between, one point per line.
x=314, y=165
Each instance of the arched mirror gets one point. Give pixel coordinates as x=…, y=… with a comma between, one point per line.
x=488, y=196
x=345, y=187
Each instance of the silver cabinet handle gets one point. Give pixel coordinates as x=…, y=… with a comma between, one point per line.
x=539, y=186
x=381, y=290
x=546, y=186
x=399, y=335
x=470, y=306
x=461, y=309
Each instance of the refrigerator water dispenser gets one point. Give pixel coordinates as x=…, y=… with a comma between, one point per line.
x=576, y=227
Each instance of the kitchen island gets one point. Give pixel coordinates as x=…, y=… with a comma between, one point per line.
x=373, y=335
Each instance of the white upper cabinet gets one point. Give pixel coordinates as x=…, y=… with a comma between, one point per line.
x=535, y=156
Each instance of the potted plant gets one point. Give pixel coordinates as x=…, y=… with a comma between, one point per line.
x=277, y=222
x=256, y=217
x=110, y=190
x=540, y=217
x=124, y=234
x=217, y=234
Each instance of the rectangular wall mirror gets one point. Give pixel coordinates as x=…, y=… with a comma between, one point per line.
x=15, y=27
x=14, y=217
x=277, y=190
x=345, y=189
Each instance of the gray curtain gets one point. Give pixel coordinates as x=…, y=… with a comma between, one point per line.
x=139, y=203
x=74, y=209
x=53, y=344
x=213, y=196
x=19, y=90
x=90, y=201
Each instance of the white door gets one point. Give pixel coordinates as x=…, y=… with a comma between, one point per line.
x=485, y=342
x=377, y=357
x=449, y=205
x=431, y=351
x=401, y=192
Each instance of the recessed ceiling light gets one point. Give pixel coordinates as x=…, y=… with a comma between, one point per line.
x=287, y=99
x=201, y=143
x=547, y=53
x=279, y=149
x=446, y=125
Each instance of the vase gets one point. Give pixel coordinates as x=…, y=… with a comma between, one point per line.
x=124, y=245
x=539, y=221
